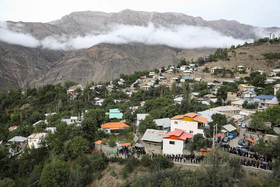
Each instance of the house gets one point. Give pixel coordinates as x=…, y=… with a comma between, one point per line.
x=183, y=67
x=174, y=141
x=140, y=117
x=231, y=95
x=260, y=71
x=35, y=140
x=237, y=103
x=50, y=114
x=163, y=124
x=263, y=99
x=241, y=68
x=153, y=137
x=51, y=129
x=114, y=126
x=246, y=88
x=247, y=96
x=276, y=88
x=276, y=71
x=40, y=121
x=12, y=128
x=18, y=140
x=215, y=69
x=115, y=113
x=98, y=101
x=208, y=114
x=190, y=122
x=178, y=100
x=272, y=102
x=73, y=119
x=227, y=109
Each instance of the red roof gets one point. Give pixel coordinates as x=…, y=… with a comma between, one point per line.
x=179, y=133
x=114, y=125
x=202, y=150
x=208, y=149
x=192, y=115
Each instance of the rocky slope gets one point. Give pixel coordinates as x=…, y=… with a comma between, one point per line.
x=22, y=65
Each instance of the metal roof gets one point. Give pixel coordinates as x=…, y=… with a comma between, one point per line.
x=18, y=139
x=153, y=135
x=265, y=96
x=229, y=127
x=164, y=122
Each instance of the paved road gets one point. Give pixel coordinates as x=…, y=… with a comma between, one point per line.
x=234, y=142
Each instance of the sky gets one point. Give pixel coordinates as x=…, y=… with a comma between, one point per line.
x=262, y=13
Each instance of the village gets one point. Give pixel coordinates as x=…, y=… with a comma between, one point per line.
x=174, y=136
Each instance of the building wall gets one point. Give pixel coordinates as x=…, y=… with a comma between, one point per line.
x=187, y=126
x=176, y=148
x=33, y=143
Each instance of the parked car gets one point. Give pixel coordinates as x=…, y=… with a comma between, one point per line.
x=224, y=144
x=241, y=148
x=241, y=142
x=232, y=135
x=243, y=125
x=226, y=139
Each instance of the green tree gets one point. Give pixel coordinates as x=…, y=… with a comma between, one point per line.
x=257, y=79
x=219, y=120
x=7, y=182
x=218, y=168
x=198, y=142
x=147, y=123
x=92, y=121
x=76, y=146
x=55, y=174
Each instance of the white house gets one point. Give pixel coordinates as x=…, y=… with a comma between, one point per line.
x=140, y=117
x=190, y=122
x=174, y=142
x=276, y=88
x=34, y=140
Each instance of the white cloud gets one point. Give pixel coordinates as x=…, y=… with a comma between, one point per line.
x=174, y=36
x=13, y=37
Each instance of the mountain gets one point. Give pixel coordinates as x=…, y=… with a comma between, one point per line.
x=82, y=23
x=21, y=65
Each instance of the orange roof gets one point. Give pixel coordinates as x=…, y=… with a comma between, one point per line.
x=178, y=117
x=200, y=119
x=179, y=133
x=98, y=142
x=192, y=115
x=114, y=125
x=125, y=144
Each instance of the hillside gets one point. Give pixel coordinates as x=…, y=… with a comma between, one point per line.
x=250, y=56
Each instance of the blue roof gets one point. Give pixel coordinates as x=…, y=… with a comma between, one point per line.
x=115, y=113
x=265, y=96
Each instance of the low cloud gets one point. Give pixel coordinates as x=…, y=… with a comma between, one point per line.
x=175, y=36
x=17, y=38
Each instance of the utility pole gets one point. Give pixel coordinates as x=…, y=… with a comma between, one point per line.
x=214, y=131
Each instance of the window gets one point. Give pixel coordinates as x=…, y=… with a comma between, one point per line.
x=191, y=131
x=172, y=142
x=176, y=122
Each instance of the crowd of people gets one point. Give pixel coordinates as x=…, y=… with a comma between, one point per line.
x=246, y=158
x=251, y=159
x=128, y=151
